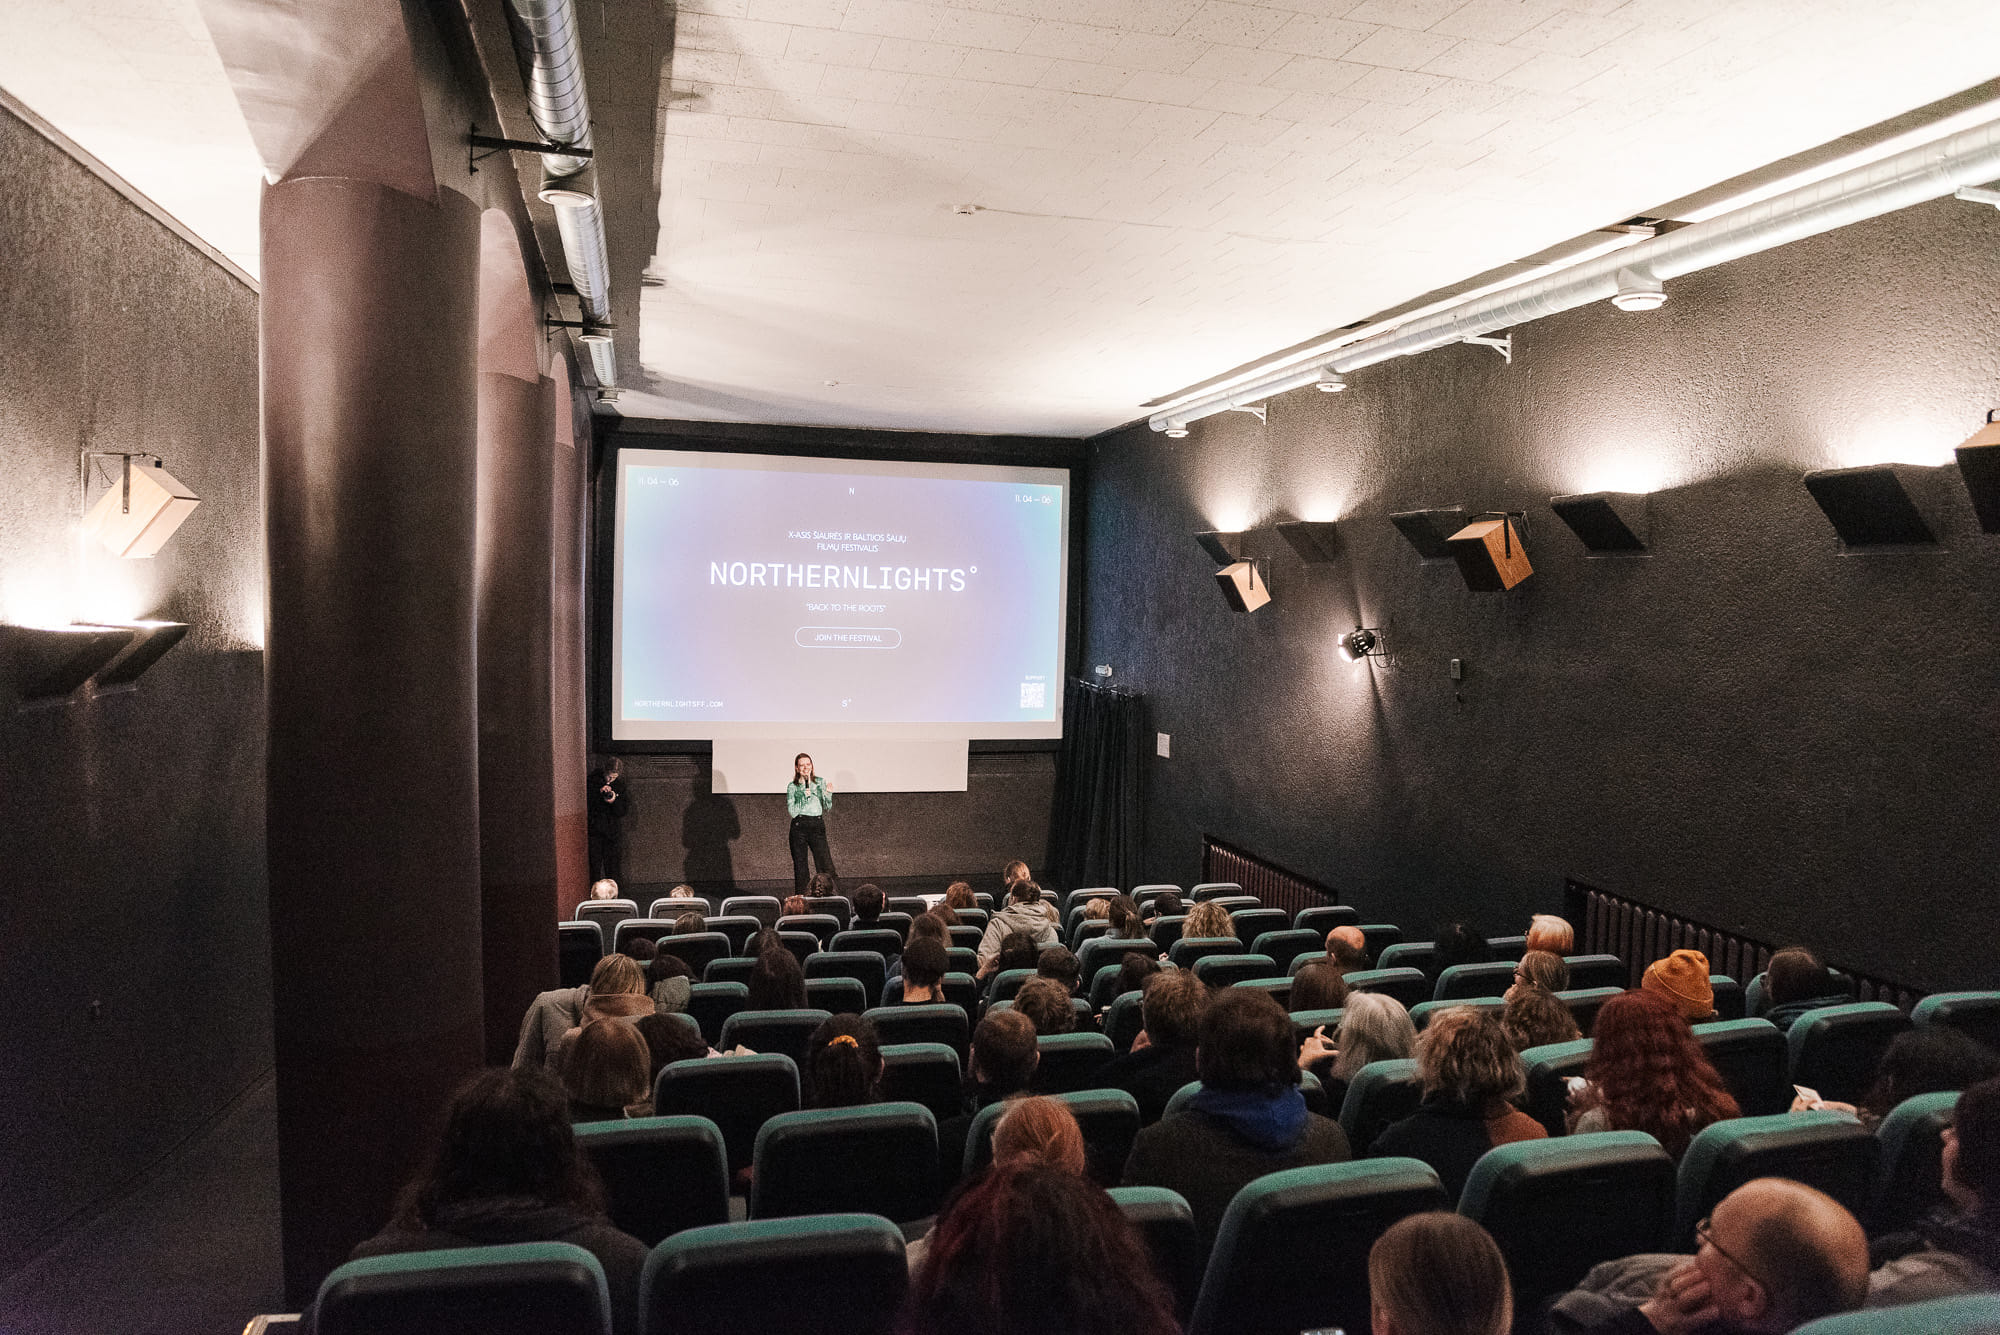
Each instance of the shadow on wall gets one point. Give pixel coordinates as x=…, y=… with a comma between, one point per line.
x=708, y=826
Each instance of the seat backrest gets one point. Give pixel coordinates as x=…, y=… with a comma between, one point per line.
x=1421, y=1013
x=880, y=1158
x=962, y=991
x=773, y=1031
x=1100, y=951
x=1007, y=982
x=1292, y=1252
x=1153, y=890
x=1973, y=1314
x=1075, y=898
x=629, y=929
x=580, y=945
x=669, y=908
x=1909, y=1181
x=1325, y=917
x=881, y=940
x=1227, y=970
x=1232, y=903
x=1379, y=936
x=1275, y=986
x=1557, y=1207
x=697, y=950
x=841, y=996
x=965, y=936
x=1253, y=923
x=1585, y=1002
x=734, y=969
x=892, y=920
x=738, y=927
x=1108, y=1118
x=764, y=908
x=529, y=1288
x=738, y=1094
x=910, y=904
x=1304, y=1022
x=712, y=1003
x=1087, y=929
x=1728, y=996
x=1188, y=949
x=661, y=1174
x=1166, y=930
x=1465, y=981
x=1287, y=944
x=1597, y=971
x=1123, y=1020
x=939, y=1022
x=1104, y=985
x=1751, y=1057
x=984, y=899
x=1380, y=1093
x=1827, y=1150
x=1165, y=1223
x=1509, y=948
x=1977, y=1014
x=1550, y=1068
x=1408, y=955
x=1070, y=1061
x=606, y=913
x=843, y=1274
x=1213, y=890
x=1836, y=1049
x=926, y=1073
x=866, y=967
x=803, y=945
x=840, y=906
x=973, y=918
x=823, y=926
x=1408, y=986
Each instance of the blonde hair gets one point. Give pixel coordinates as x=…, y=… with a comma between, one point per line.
x=1097, y=910
x=1548, y=932
x=606, y=884
x=1441, y=1274
x=616, y=974
x=1208, y=918
x=1041, y=1129
x=1545, y=969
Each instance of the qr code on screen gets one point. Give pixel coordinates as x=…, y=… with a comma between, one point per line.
x=1034, y=694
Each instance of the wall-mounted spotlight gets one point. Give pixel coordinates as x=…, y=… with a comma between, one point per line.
x=1176, y=429
x=140, y=508
x=1429, y=531
x=1868, y=507
x=1312, y=539
x=1361, y=642
x=1243, y=586
x=1979, y=465
x=1489, y=553
x=1638, y=290
x=1330, y=381
x=1610, y=523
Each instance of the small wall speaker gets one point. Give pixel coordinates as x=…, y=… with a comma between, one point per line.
x=138, y=526
x=1979, y=465
x=1868, y=507
x=1430, y=530
x=1242, y=587
x=1489, y=555
x=1609, y=523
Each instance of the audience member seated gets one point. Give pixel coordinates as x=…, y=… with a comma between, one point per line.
x=1018, y=950
x=1347, y=950
x=1548, y=932
x=1022, y=913
x=670, y=982
x=1796, y=982
x=1682, y=978
x=1046, y=1003
x=689, y=923
x=1164, y=905
x=507, y=1170
x=668, y=1040
x=869, y=901
x=1016, y=870
x=1134, y=970
x=959, y=895
x=1932, y=1060
x=604, y=889
x=1249, y=1118
x=1318, y=986
x=681, y=892
x=1958, y=1250
x=924, y=966
x=777, y=981
x=1127, y=922
x=1469, y=1072
x=1097, y=910
x=1374, y=1028
x=1207, y=919
x=642, y=948
x=1035, y=1130
x=794, y=906
x=1162, y=1058
x=624, y=996
x=1648, y=1073
x=1458, y=943
x=823, y=885
x=554, y=1014
x=1002, y=1066
x=606, y=1073
x=946, y=915
x=1774, y=1255
x=1533, y=1018
x=1438, y=1273
x=1029, y=1248
x=1059, y=965
x=932, y=926
x=1542, y=969
x=843, y=1065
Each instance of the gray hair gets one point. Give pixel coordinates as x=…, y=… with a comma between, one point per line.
x=1374, y=1028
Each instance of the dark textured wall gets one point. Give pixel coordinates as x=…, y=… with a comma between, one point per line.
x=134, y=960
x=1747, y=727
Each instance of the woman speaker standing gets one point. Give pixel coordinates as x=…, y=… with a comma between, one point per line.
x=808, y=799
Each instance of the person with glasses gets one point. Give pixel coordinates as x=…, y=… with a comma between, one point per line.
x=1773, y=1255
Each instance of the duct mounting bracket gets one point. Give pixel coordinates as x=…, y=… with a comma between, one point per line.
x=123, y=481
x=492, y=145
x=1256, y=410
x=1504, y=345
x=1973, y=194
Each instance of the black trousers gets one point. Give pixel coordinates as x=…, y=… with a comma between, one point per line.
x=809, y=832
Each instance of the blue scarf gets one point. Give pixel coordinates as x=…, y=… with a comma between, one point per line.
x=1270, y=1122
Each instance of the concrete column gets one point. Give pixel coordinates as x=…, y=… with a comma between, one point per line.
x=369, y=367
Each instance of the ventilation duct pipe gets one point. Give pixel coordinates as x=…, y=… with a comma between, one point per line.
x=551, y=54
x=1915, y=176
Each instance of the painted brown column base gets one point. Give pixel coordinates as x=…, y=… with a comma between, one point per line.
x=368, y=360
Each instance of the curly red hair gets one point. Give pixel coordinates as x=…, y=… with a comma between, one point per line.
x=1650, y=1074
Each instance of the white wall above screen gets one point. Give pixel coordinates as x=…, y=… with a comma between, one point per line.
x=848, y=764
x=774, y=596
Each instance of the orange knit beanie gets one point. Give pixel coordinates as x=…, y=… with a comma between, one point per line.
x=1682, y=978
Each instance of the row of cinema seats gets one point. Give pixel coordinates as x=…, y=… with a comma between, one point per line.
x=835, y=1188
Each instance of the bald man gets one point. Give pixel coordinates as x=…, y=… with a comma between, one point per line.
x=1347, y=949
x=1772, y=1256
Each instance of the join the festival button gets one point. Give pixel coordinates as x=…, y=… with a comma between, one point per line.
x=848, y=637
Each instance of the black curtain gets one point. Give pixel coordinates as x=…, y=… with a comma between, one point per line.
x=1098, y=820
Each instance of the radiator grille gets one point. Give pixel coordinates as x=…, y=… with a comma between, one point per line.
x=1275, y=886
x=1612, y=925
